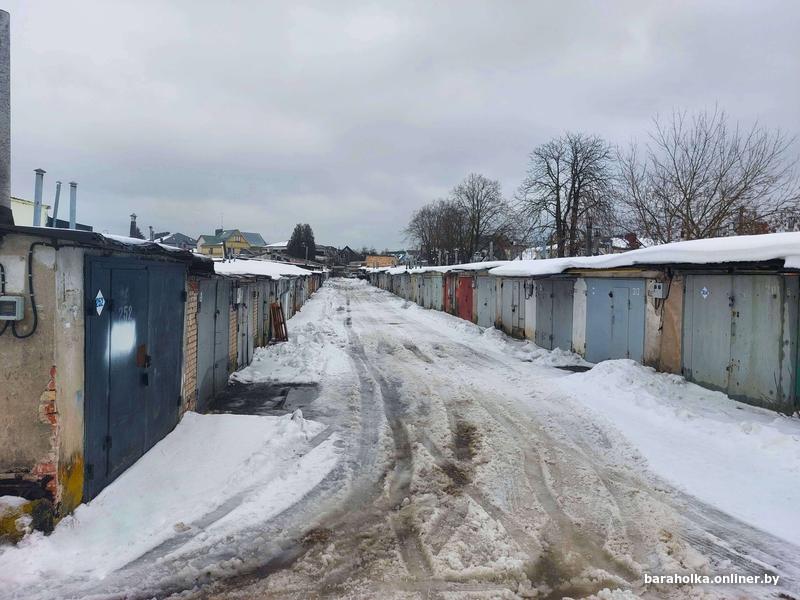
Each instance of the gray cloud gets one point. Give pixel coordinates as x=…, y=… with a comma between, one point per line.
x=349, y=116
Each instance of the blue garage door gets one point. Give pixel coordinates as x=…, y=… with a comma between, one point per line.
x=615, y=314
x=133, y=354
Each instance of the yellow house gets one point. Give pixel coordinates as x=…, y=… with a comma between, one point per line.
x=231, y=240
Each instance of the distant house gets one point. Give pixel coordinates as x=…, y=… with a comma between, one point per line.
x=347, y=256
x=377, y=260
x=231, y=241
x=23, y=211
x=179, y=240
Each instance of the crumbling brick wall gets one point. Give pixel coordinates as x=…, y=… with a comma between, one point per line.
x=190, y=346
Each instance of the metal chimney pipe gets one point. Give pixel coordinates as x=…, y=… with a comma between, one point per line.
x=6, y=216
x=55, y=204
x=37, y=197
x=73, y=200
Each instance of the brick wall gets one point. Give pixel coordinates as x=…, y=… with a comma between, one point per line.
x=190, y=346
x=46, y=470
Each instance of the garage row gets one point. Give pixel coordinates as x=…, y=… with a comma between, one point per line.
x=114, y=340
x=727, y=320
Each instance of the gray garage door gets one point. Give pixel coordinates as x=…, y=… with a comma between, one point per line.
x=133, y=354
x=615, y=314
x=738, y=335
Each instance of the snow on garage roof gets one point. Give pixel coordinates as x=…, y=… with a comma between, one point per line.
x=743, y=248
x=264, y=268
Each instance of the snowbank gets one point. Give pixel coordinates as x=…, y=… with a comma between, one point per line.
x=743, y=248
x=316, y=337
x=257, y=465
x=741, y=459
x=266, y=268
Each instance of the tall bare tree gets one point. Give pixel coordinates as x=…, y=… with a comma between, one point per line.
x=567, y=190
x=440, y=230
x=481, y=200
x=702, y=176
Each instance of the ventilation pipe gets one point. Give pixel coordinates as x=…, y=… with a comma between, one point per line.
x=55, y=204
x=73, y=200
x=6, y=216
x=37, y=197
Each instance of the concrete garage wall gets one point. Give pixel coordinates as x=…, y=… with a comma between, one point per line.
x=69, y=376
x=41, y=383
x=25, y=431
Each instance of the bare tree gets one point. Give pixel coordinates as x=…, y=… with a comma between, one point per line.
x=700, y=176
x=440, y=230
x=486, y=211
x=567, y=190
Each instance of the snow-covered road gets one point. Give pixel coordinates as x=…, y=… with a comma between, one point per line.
x=471, y=466
x=472, y=470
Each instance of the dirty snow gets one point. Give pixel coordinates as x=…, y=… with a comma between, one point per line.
x=265, y=463
x=742, y=459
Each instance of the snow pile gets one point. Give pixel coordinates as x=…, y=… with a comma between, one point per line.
x=254, y=467
x=743, y=248
x=264, y=268
x=741, y=459
x=527, y=351
x=316, y=339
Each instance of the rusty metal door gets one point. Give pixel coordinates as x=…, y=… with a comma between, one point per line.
x=464, y=297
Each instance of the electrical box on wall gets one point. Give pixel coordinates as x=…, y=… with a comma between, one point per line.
x=657, y=290
x=12, y=308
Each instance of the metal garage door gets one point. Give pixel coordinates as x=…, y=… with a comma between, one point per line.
x=707, y=330
x=206, y=317
x=486, y=308
x=464, y=297
x=563, y=296
x=615, y=319
x=735, y=336
x=543, y=335
x=133, y=357
x=222, y=325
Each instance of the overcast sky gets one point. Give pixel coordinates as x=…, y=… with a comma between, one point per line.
x=350, y=116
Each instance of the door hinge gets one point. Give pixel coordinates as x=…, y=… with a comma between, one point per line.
x=90, y=471
x=107, y=442
x=180, y=401
x=184, y=295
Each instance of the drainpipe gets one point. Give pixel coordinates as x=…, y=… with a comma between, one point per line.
x=55, y=204
x=73, y=199
x=37, y=197
x=6, y=216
